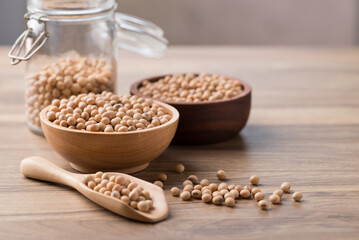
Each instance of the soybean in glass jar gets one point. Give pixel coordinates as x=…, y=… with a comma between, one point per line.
x=71, y=47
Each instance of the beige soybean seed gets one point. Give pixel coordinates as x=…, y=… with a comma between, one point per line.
x=125, y=192
x=231, y=187
x=245, y=193
x=230, y=202
x=104, y=182
x=146, y=194
x=162, y=177
x=150, y=203
x=91, y=184
x=274, y=198
x=71, y=121
x=216, y=193
x=108, y=193
x=123, y=129
x=105, y=120
x=193, y=178
x=235, y=193
x=278, y=192
x=185, y=196
x=175, y=191
x=229, y=195
x=254, y=180
x=132, y=186
x=105, y=176
x=222, y=186
x=141, y=198
x=110, y=185
x=197, y=187
x=259, y=196
x=179, y=168
x=127, y=181
x=133, y=195
x=204, y=188
x=297, y=196
x=90, y=101
x=93, y=128
x=88, y=178
x=51, y=116
x=263, y=204
x=115, y=194
x=143, y=206
x=117, y=187
x=217, y=200
x=80, y=126
x=112, y=179
x=125, y=199
x=249, y=188
x=196, y=194
x=224, y=191
x=120, y=180
x=139, y=190
x=188, y=188
x=285, y=187
x=187, y=182
x=239, y=188
x=108, y=129
x=255, y=190
x=204, y=182
x=97, y=188
x=63, y=123
x=131, y=128
x=221, y=175
x=133, y=204
x=213, y=187
x=158, y=183
x=206, y=191
x=97, y=180
x=206, y=198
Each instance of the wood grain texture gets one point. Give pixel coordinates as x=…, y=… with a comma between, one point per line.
x=207, y=122
x=303, y=128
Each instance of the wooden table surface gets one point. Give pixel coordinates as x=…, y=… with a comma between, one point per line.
x=303, y=128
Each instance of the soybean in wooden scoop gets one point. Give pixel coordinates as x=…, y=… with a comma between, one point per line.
x=120, y=193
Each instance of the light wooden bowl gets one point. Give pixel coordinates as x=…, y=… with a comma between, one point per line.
x=123, y=152
x=207, y=122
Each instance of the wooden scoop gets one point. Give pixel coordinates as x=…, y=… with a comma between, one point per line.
x=42, y=169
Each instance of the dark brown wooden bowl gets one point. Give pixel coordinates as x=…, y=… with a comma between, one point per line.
x=207, y=122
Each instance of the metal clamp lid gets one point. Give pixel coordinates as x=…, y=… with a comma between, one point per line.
x=18, y=46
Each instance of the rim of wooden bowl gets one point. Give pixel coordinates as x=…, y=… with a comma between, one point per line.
x=175, y=117
x=136, y=85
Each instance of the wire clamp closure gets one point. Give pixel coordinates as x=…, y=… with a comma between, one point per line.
x=27, y=36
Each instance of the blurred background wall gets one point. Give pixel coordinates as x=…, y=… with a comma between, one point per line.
x=259, y=22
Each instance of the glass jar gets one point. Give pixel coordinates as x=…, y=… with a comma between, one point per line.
x=71, y=46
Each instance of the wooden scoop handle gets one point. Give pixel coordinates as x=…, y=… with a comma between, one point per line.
x=39, y=168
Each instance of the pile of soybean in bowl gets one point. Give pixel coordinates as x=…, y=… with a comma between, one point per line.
x=121, y=188
x=192, y=88
x=107, y=112
x=63, y=78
